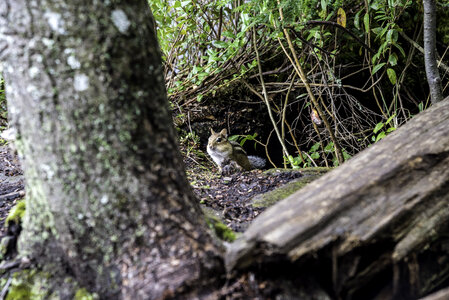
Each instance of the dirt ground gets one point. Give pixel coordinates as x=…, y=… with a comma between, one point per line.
x=11, y=184
x=230, y=196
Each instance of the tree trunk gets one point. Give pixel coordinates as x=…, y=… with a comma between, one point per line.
x=108, y=203
x=375, y=228
x=430, y=55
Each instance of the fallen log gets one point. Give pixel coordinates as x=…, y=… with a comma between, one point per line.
x=374, y=228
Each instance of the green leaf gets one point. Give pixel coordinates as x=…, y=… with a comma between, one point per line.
x=199, y=97
x=202, y=75
x=228, y=34
x=390, y=118
x=384, y=30
x=391, y=129
x=400, y=49
x=357, y=20
x=421, y=106
x=329, y=147
x=220, y=44
x=375, y=57
x=323, y=4
x=380, y=136
x=391, y=75
x=392, y=36
x=375, y=5
x=366, y=22
x=377, y=68
x=233, y=137
x=378, y=127
x=393, y=59
x=377, y=30
x=314, y=148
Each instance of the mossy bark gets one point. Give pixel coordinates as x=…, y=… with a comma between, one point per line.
x=107, y=198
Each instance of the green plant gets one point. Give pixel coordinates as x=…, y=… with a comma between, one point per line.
x=190, y=143
x=383, y=129
x=241, y=139
x=210, y=54
x=328, y=150
x=382, y=22
x=310, y=158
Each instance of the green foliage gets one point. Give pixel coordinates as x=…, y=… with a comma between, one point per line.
x=385, y=29
x=383, y=129
x=191, y=140
x=194, y=47
x=241, y=139
x=208, y=48
x=443, y=21
x=190, y=147
x=314, y=154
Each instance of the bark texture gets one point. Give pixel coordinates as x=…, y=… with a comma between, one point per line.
x=108, y=203
x=375, y=228
x=430, y=54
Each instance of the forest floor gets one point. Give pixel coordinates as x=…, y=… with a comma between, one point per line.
x=238, y=198
x=11, y=184
x=230, y=198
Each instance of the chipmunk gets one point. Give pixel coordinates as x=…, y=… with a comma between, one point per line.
x=226, y=153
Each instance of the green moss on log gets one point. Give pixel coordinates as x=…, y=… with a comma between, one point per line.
x=270, y=198
x=29, y=284
x=16, y=213
x=222, y=231
x=83, y=294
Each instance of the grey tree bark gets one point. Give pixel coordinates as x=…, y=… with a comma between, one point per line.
x=108, y=204
x=430, y=56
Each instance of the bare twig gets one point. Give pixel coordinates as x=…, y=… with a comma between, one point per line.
x=329, y=23
x=315, y=103
x=12, y=196
x=267, y=103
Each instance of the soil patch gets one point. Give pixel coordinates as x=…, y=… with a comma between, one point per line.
x=231, y=196
x=11, y=183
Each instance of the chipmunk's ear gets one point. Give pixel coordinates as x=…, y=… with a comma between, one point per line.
x=224, y=132
x=212, y=131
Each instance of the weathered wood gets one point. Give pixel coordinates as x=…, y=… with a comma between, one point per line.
x=369, y=217
x=440, y=295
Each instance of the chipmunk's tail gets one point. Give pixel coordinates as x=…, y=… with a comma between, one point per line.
x=257, y=162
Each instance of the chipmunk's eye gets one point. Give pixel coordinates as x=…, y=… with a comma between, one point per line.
x=218, y=139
